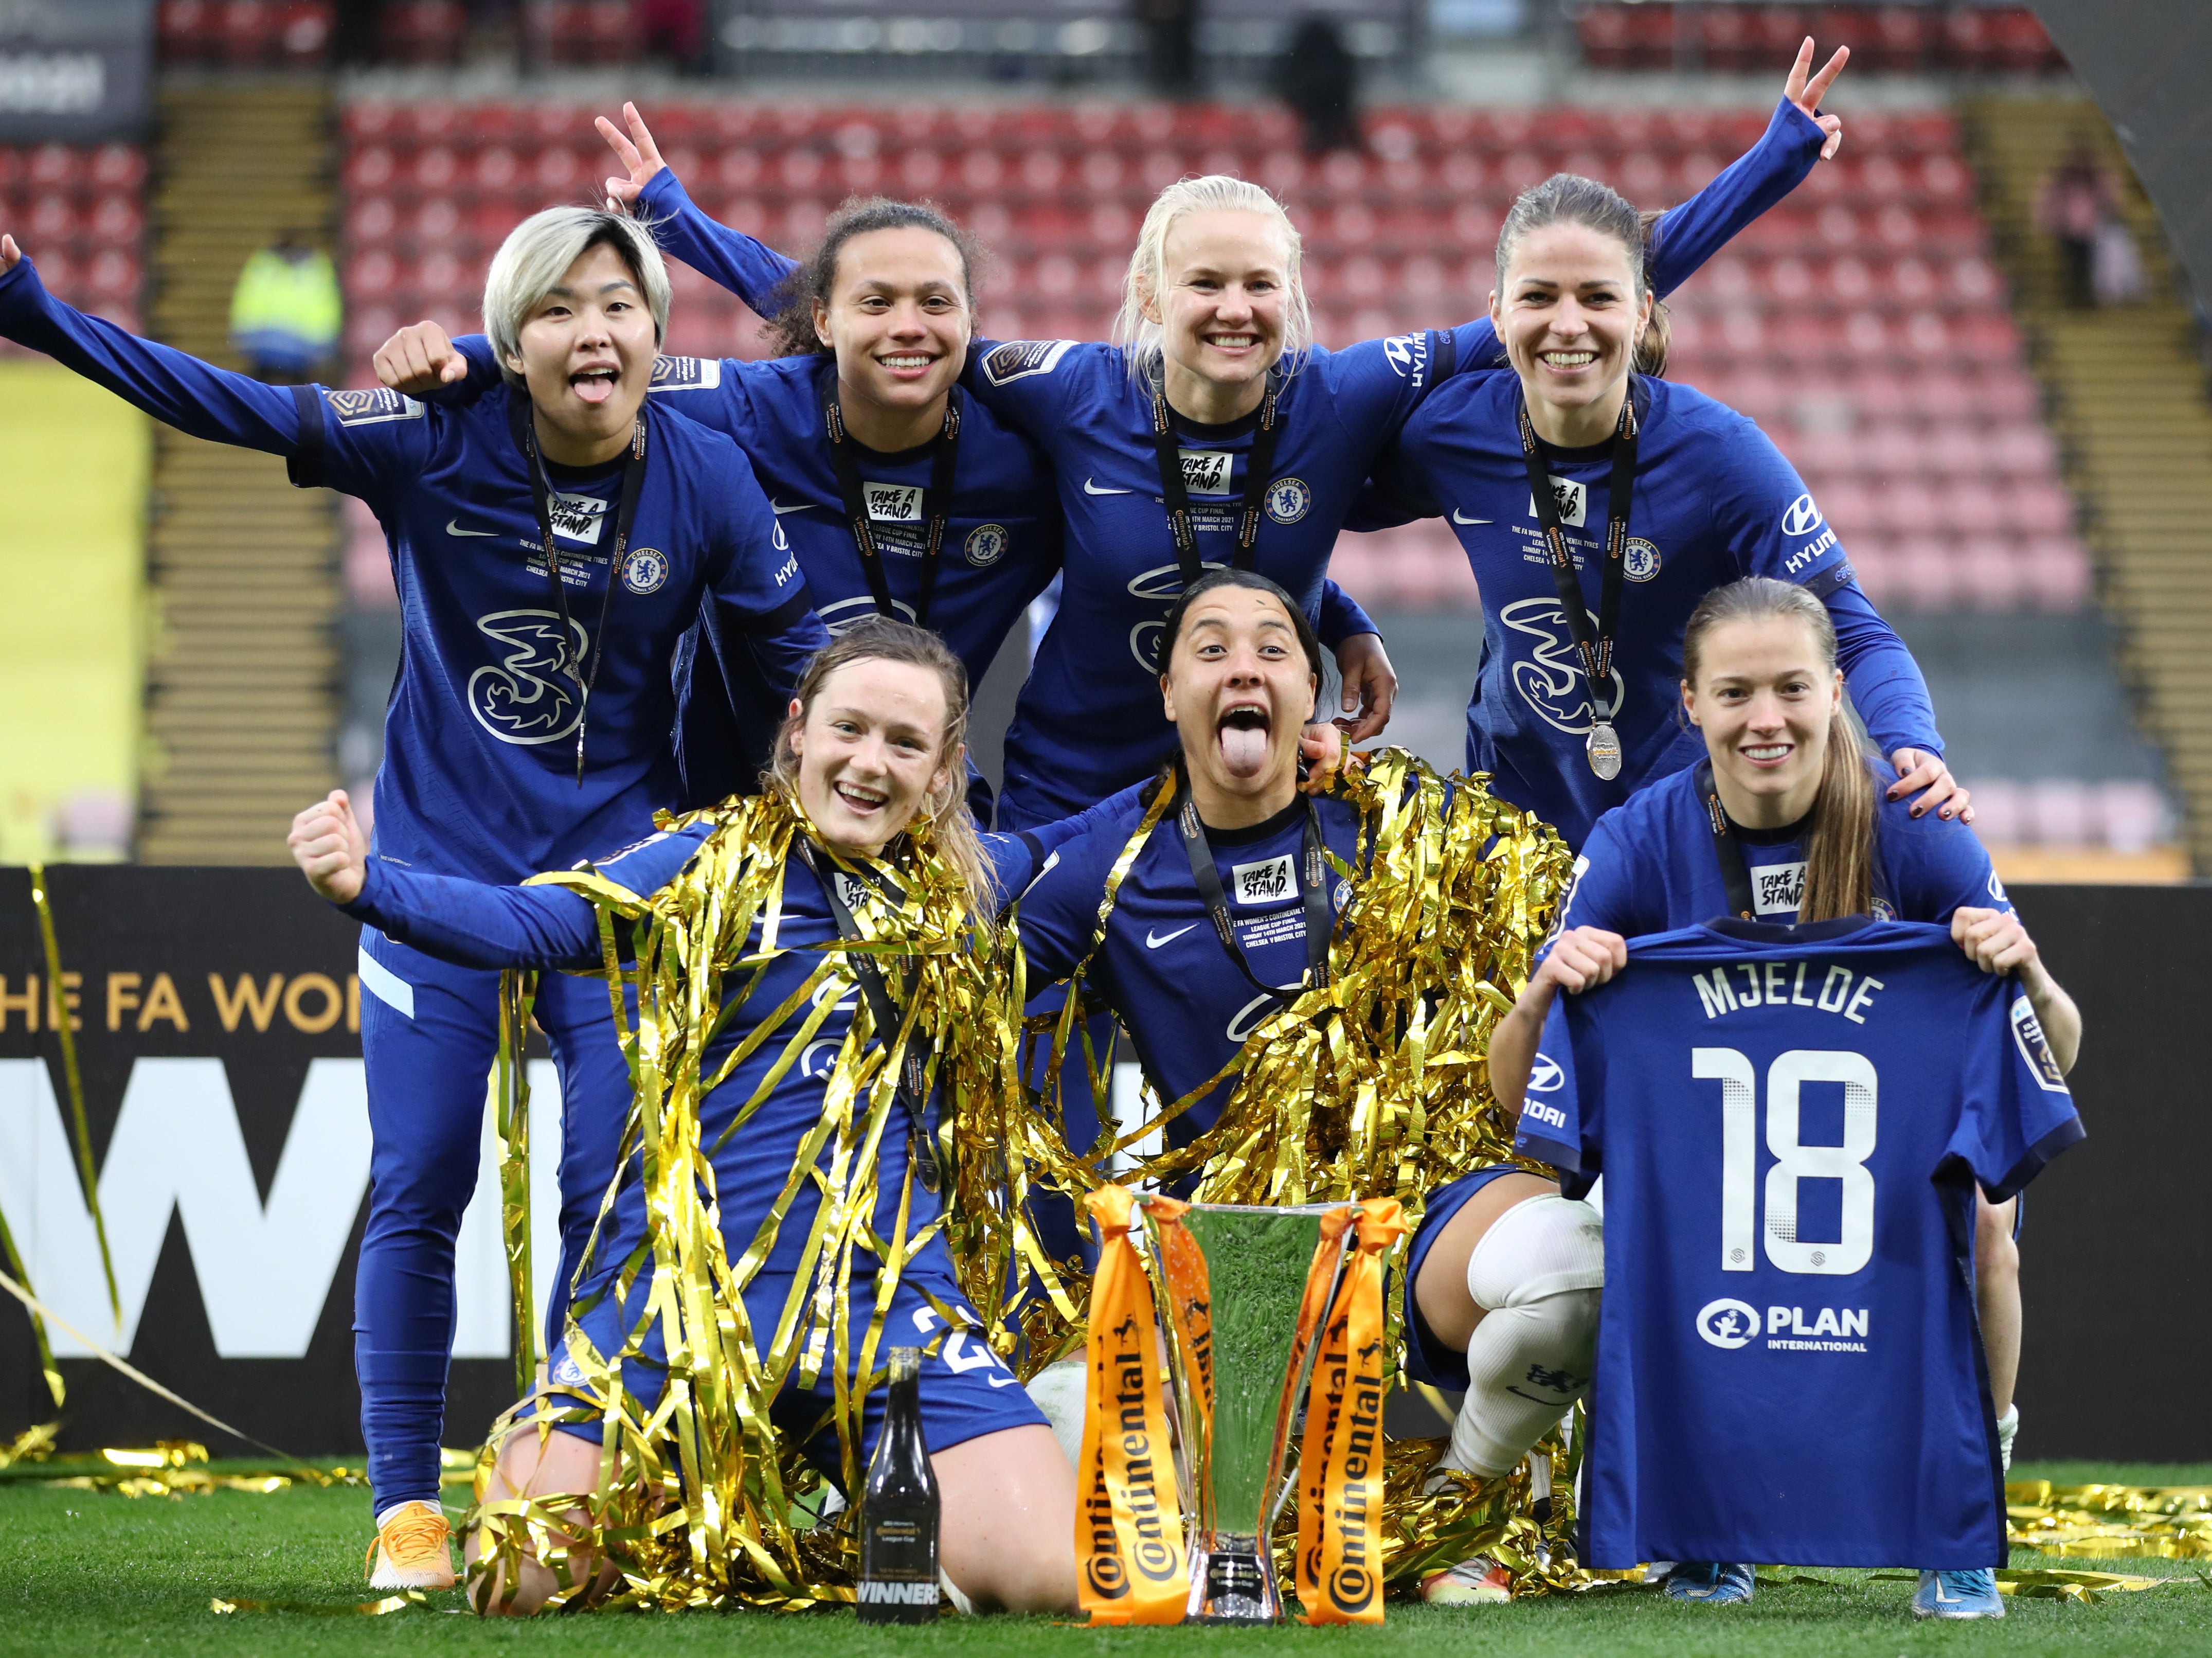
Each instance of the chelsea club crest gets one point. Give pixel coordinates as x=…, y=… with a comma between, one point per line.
x=986, y=545
x=1288, y=499
x=645, y=570
x=1639, y=559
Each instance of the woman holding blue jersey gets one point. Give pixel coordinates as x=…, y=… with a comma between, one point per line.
x=784, y=1225
x=1214, y=433
x=1782, y=820
x=550, y=546
x=1596, y=505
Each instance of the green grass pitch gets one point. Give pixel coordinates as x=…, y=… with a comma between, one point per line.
x=88, y=1572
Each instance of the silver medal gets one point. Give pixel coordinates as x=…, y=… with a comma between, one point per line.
x=1603, y=746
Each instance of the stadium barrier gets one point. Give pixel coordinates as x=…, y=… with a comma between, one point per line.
x=218, y=1028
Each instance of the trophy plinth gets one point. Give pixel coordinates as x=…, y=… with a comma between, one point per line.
x=1233, y=1582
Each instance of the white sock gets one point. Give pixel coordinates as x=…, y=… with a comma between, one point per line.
x=1058, y=1390
x=2007, y=1425
x=960, y=1603
x=383, y=1515
x=1537, y=1273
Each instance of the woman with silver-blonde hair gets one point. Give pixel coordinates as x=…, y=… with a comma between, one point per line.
x=551, y=544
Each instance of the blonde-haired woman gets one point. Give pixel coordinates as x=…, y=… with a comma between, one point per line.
x=1214, y=433
x=529, y=725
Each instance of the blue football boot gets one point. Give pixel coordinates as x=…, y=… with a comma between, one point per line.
x=1958, y=1594
x=1709, y=1582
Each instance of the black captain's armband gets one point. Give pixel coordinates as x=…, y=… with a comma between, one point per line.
x=1837, y=577
x=305, y=466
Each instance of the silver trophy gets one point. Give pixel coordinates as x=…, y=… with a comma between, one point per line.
x=1242, y=1330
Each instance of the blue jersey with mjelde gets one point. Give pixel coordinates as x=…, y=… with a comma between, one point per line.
x=1651, y=865
x=1713, y=501
x=1790, y=1123
x=1089, y=720
x=1161, y=965
x=1001, y=545
x=479, y=774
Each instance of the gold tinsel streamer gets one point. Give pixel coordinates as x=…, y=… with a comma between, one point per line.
x=1374, y=1085
x=2172, y=1522
x=700, y=1500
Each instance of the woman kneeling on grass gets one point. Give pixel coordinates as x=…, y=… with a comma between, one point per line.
x=778, y=1224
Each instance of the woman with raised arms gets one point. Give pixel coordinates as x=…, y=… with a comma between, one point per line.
x=1597, y=504
x=1215, y=434
x=551, y=544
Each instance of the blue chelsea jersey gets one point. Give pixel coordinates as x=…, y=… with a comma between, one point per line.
x=1001, y=545
x=1002, y=538
x=479, y=775
x=1790, y=1123
x=1162, y=966
x=1714, y=501
x=1651, y=865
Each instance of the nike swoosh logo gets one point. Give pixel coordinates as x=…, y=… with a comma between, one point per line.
x=1002, y=1381
x=1153, y=941
x=779, y=509
x=1090, y=488
x=453, y=527
x=1458, y=519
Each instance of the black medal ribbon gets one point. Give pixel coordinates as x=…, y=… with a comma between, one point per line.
x=935, y=506
x=913, y=1071
x=1735, y=872
x=1174, y=493
x=1313, y=896
x=541, y=491
x=1595, y=646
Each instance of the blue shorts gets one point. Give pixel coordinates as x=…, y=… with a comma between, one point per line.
x=967, y=1390
x=1427, y=1358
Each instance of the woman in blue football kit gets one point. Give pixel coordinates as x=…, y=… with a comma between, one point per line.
x=872, y=749
x=1596, y=506
x=1781, y=820
x=550, y=544
x=901, y=494
x=1217, y=434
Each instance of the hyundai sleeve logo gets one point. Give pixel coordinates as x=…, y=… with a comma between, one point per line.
x=1801, y=516
x=1545, y=1075
x=1726, y=1323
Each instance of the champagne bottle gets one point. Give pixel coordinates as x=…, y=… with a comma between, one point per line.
x=899, y=1510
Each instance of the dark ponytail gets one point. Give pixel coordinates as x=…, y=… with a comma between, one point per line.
x=1651, y=349
x=790, y=330
x=1839, y=843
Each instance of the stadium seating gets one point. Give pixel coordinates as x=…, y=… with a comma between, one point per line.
x=247, y=34
x=1861, y=322
x=1741, y=38
x=80, y=212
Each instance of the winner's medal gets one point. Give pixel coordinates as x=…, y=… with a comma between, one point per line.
x=1594, y=645
x=1603, y=748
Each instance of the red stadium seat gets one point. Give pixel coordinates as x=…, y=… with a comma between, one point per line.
x=1897, y=41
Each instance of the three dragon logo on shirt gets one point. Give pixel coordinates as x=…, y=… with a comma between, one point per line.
x=1549, y=676
x=526, y=696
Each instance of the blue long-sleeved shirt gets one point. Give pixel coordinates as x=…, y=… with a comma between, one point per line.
x=1714, y=501
x=479, y=774
x=1089, y=720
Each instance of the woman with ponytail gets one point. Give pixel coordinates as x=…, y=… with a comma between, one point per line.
x=1783, y=819
x=1596, y=502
